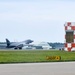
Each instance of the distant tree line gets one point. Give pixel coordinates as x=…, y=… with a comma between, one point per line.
x=2, y=42
x=54, y=45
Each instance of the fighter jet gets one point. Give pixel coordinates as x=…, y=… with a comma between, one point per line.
x=17, y=45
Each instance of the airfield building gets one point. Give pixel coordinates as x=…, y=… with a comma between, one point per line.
x=41, y=45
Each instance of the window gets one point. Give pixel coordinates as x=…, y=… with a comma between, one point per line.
x=69, y=37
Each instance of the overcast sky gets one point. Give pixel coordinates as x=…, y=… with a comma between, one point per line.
x=39, y=20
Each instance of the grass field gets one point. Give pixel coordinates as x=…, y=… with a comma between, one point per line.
x=26, y=56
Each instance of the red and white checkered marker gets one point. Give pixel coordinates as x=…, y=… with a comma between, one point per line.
x=70, y=27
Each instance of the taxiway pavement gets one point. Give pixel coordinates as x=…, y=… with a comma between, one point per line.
x=53, y=68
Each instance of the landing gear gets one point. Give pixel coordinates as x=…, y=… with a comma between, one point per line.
x=20, y=47
x=15, y=48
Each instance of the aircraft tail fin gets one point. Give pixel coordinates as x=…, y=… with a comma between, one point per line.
x=8, y=42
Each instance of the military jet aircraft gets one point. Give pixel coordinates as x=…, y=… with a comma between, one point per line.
x=17, y=45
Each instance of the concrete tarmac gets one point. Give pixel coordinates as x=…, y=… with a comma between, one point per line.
x=53, y=68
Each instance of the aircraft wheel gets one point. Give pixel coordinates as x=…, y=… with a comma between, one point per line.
x=20, y=48
x=15, y=48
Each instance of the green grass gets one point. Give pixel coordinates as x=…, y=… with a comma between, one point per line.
x=26, y=56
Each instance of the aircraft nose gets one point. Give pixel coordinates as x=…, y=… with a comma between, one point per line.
x=28, y=41
x=31, y=40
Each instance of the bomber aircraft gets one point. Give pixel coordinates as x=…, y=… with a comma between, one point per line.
x=17, y=45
